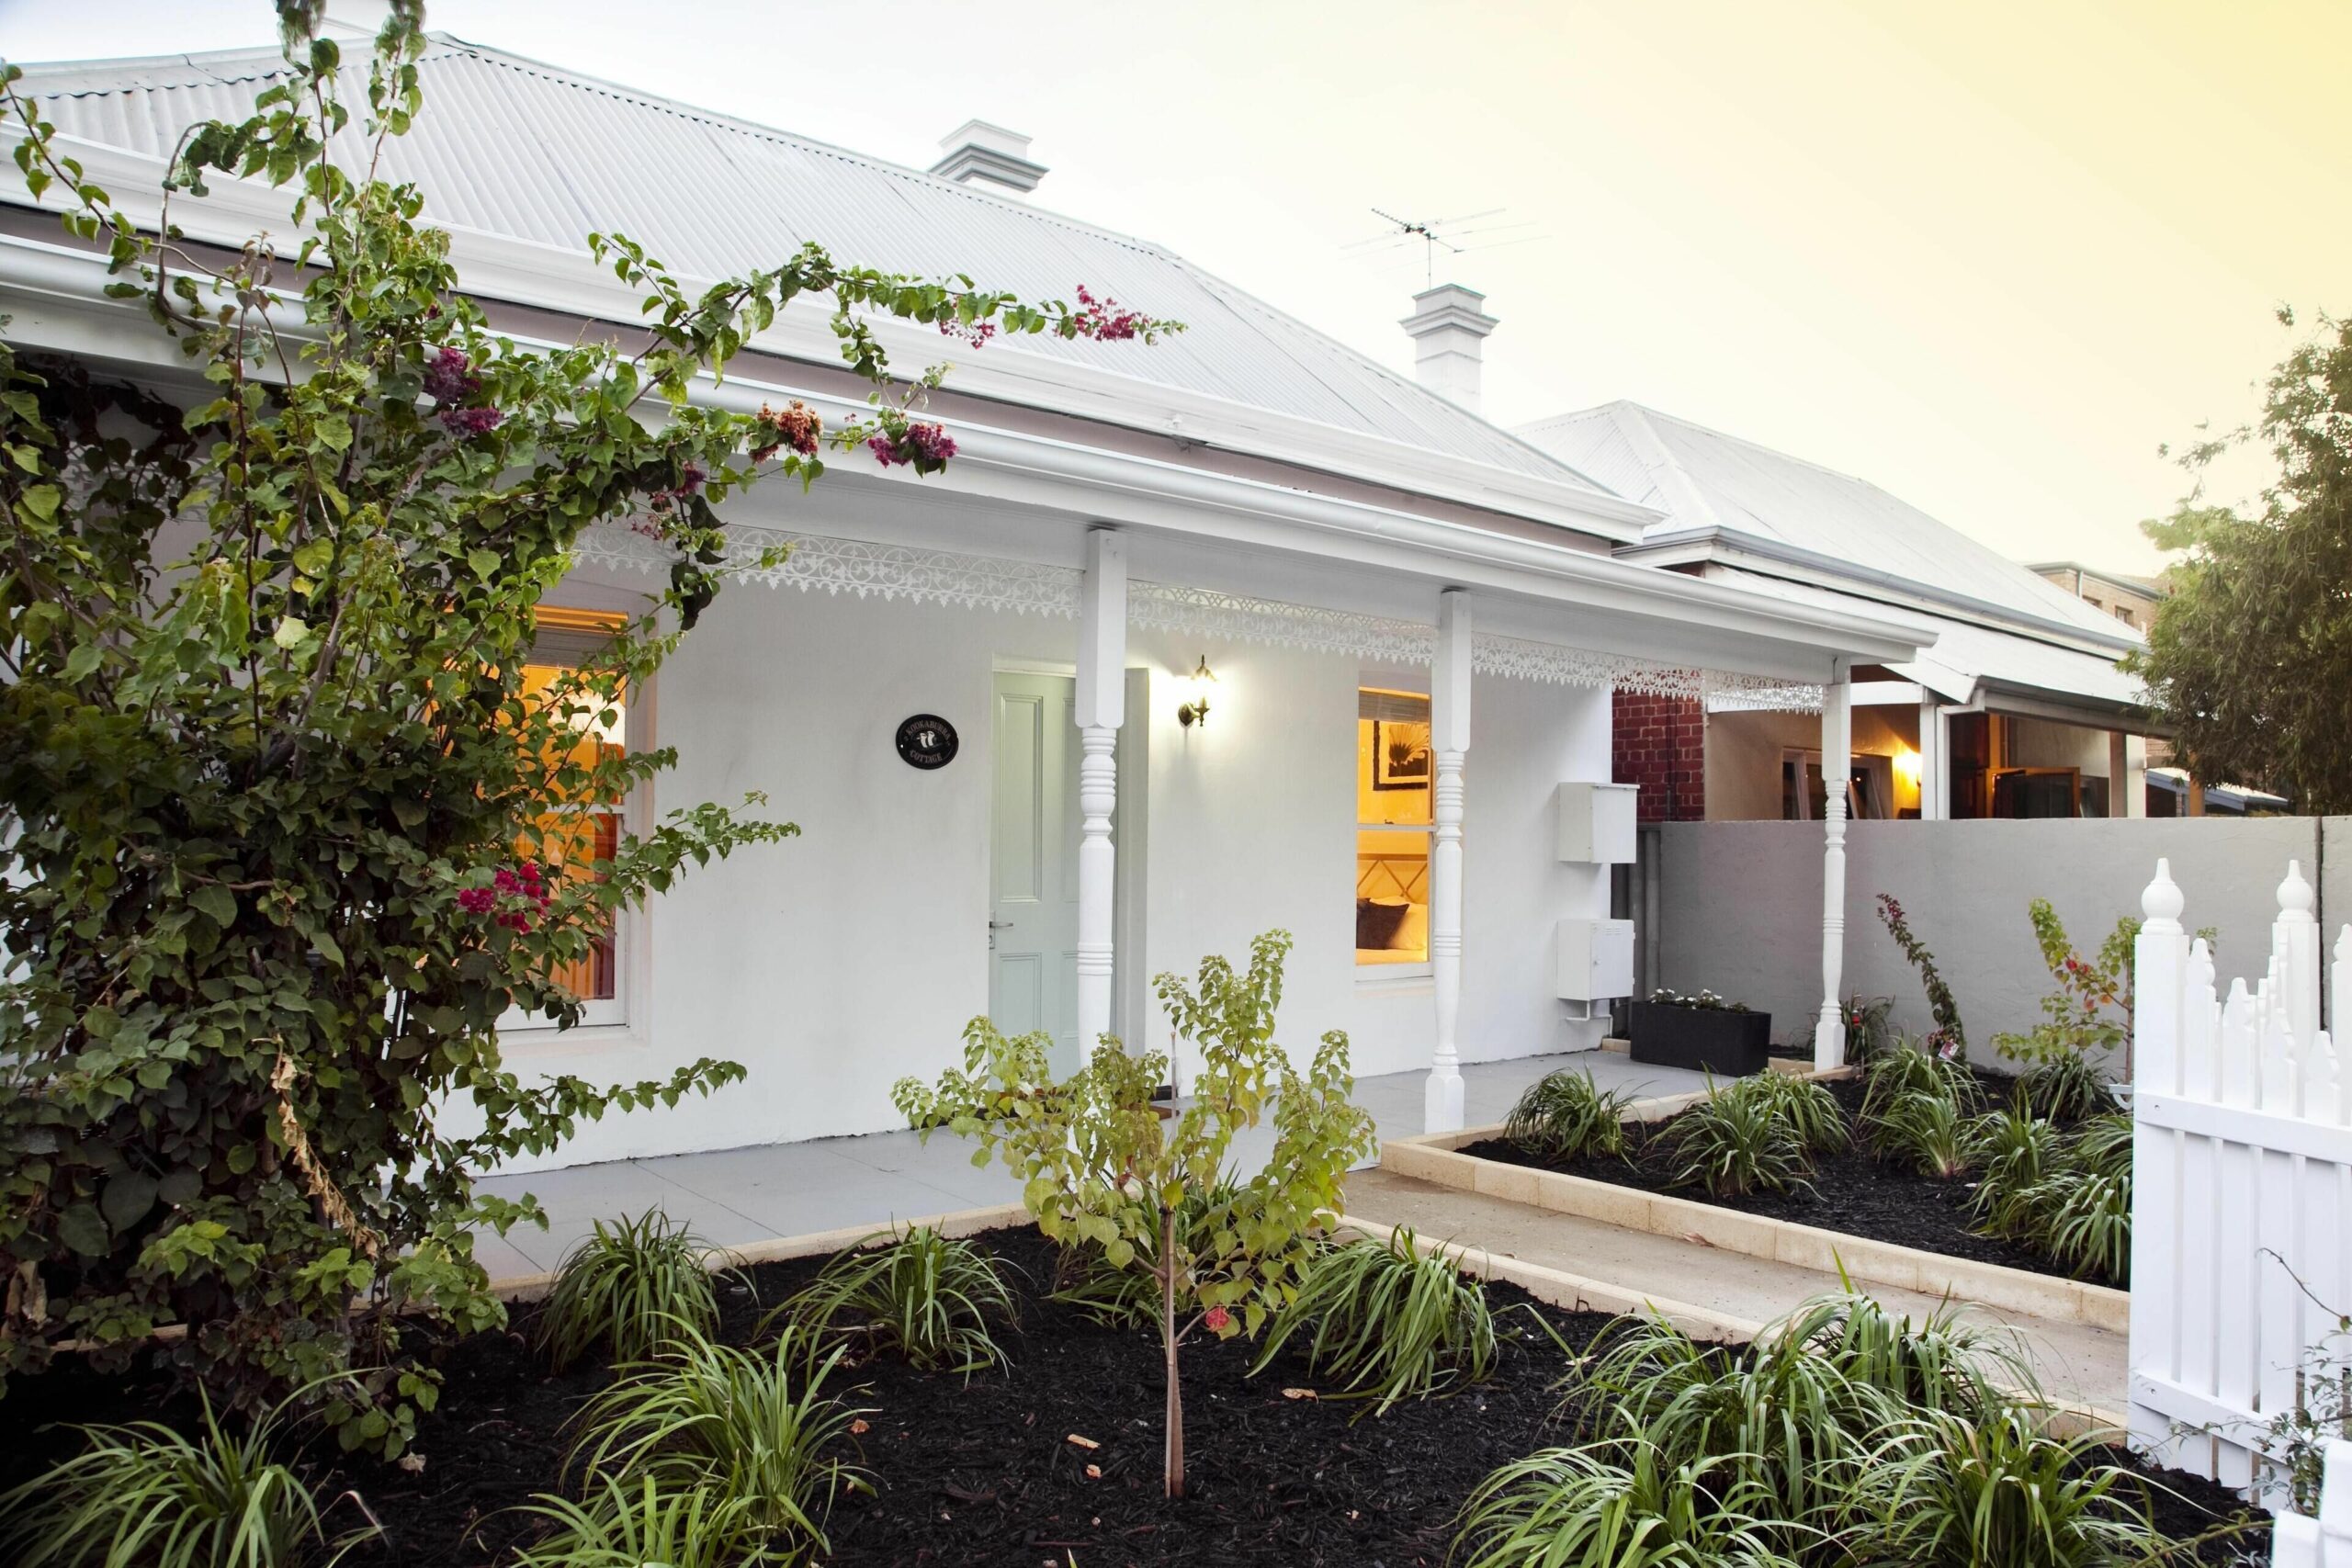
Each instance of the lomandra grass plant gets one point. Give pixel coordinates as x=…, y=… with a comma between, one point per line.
x=933, y=1301
x=640, y=1525
x=628, y=1289
x=145, y=1495
x=1388, y=1322
x=1732, y=1144
x=1809, y=1109
x=1928, y=1134
x=1843, y=1437
x=752, y=1426
x=1565, y=1115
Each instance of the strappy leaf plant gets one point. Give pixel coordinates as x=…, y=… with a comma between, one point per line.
x=1388, y=1322
x=147, y=1496
x=641, y=1524
x=1734, y=1143
x=934, y=1301
x=1929, y=1133
x=1565, y=1115
x=754, y=1428
x=1614, y=1504
x=628, y=1289
x=1809, y=1109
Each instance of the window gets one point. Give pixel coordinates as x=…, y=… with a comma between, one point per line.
x=571, y=839
x=1394, y=774
x=1805, y=796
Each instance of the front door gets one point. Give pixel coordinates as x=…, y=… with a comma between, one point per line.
x=1032, y=874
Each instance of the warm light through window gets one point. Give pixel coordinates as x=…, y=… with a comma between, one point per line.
x=1393, y=821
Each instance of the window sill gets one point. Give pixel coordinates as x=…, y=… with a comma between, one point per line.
x=587, y=1037
x=1395, y=977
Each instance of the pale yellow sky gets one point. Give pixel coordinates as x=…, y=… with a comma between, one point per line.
x=1987, y=255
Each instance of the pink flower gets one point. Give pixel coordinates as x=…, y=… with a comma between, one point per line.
x=449, y=377
x=465, y=423
x=476, y=900
x=924, y=448
x=1217, y=1319
x=796, y=427
x=1105, y=319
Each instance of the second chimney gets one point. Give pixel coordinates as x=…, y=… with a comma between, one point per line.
x=1449, y=327
x=990, y=157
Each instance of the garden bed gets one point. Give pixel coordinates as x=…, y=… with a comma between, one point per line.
x=1853, y=1192
x=984, y=1472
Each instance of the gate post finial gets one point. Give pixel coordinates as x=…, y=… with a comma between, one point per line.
x=2161, y=903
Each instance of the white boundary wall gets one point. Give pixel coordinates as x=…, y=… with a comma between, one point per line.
x=2242, y=1211
x=2299, y=1541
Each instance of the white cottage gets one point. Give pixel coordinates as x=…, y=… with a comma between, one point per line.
x=1237, y=632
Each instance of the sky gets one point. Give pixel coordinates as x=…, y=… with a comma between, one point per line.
x=1990, y=256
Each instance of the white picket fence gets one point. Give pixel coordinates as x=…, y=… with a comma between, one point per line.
x=2299, y=1541
x=2242, y=1189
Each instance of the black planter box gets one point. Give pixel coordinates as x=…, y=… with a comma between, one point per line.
x=1710, y=1040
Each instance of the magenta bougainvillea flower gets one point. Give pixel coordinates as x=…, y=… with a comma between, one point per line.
x=1105, y=319
x=924, y=448
x=514, y=898
x=449, y=380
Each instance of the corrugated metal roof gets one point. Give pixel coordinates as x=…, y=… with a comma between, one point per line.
x=516, y=148
x=1700, y=477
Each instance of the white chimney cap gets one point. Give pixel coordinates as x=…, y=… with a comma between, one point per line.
x=988, y=155
x=1449, y=326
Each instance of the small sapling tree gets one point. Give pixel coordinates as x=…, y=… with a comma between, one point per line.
x=1102, y=1167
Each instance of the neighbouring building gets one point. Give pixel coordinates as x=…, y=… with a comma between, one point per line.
x=1237, y=632
x=2131, y=600
x=2017, y=710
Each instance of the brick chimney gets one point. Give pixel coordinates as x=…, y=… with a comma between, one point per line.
x=1449, y=327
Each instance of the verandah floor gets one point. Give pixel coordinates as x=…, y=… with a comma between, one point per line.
x=734, y=1197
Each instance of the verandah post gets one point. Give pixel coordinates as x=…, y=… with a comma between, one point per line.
x=1449, y=741
x=1101, y=709
x=1836, y=763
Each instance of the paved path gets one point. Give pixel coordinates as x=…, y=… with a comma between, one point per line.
x=736, y=1196
x=2073, y=1360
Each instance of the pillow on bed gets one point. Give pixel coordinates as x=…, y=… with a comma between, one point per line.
x=1378, y=921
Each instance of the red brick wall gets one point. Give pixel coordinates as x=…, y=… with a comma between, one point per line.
x=1660, y=743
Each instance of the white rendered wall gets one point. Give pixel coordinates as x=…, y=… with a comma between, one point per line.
x=837, y=961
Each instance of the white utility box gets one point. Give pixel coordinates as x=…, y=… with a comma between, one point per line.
x=1595, y=960
x=1597, y=823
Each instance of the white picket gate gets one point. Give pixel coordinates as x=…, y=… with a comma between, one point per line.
x=2297, y=1541
x=2242, y=1189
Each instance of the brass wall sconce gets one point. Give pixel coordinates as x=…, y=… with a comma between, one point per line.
x=1195, y=709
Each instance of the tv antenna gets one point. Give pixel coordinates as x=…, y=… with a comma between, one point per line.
x=1434, y=234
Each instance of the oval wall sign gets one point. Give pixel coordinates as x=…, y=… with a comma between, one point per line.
x=927, y=741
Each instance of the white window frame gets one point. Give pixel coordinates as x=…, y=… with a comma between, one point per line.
x=620, y=1017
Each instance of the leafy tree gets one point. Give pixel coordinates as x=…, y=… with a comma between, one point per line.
x=285, y=834
x=2250, y=660
x=1103, y=1169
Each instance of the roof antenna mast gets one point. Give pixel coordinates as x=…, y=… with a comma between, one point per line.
x=1442, y=233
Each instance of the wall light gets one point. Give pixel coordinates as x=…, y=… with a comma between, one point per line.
x=1906, y=765
x=1195, y=709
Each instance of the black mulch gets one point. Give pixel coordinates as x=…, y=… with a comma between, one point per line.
x=982, y=1473
x=1853, y=1192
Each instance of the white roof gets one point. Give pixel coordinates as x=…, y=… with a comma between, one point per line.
x=1885, y=547
x=510, y=147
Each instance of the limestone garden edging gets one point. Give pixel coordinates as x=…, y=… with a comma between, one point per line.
x=1433, y=1157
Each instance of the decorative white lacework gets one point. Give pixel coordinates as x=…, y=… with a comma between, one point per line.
x=996, y=582
x=860, y=566
x=1231, y=617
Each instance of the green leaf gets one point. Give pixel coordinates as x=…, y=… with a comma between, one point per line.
x=127, y=1199
x=215, y=903
x=484, y=562
x=41, y=501
x=82, y=661
x=81, y=1228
